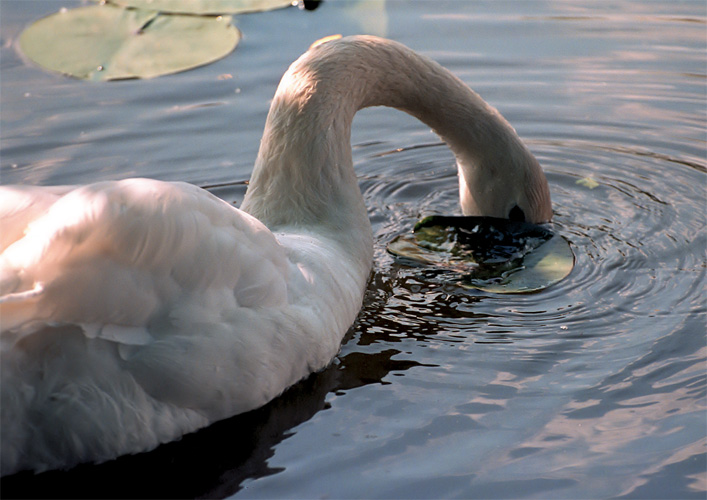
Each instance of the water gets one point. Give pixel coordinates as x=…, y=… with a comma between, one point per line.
x=593, y=388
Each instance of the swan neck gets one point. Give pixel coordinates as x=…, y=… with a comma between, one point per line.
x=304, y=172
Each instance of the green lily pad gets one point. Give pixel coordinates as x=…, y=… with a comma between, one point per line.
x=495, y=255
x=105, y=42
x=204, y=7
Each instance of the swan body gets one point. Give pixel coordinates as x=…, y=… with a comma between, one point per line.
x=135, y=311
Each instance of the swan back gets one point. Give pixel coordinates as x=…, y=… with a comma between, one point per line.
x=136, y=311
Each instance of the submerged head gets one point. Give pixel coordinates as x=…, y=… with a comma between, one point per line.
x=503, y=179
x=522, y=195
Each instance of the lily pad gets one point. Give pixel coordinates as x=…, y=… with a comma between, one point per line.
x=105, y=42
x=204, y=7
x=495, y=255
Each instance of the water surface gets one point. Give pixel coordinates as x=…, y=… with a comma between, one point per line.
x=593, y=388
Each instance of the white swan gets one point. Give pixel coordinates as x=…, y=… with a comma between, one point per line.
x=136, y=311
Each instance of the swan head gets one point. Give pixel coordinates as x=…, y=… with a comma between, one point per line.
x=507, y=183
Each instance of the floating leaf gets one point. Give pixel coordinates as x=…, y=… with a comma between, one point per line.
x=104, y=42
x=495, y=255
x=588, y=182
x=204, y=7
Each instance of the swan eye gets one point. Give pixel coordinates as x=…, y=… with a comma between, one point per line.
x=517, y=214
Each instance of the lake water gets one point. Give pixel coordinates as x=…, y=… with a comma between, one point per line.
x=593, y=388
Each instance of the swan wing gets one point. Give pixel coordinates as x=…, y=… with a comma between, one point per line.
x=117, y=252
x=130, y=306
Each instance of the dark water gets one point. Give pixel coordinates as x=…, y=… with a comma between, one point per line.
x=593, y=388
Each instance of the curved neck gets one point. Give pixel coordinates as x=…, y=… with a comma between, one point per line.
x=304, y=172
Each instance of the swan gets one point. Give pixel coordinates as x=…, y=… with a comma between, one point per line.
x=136, y=311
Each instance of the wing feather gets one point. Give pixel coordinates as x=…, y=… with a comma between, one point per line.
x=124, y=252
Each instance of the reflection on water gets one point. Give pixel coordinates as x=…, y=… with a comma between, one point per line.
x=594, y=387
